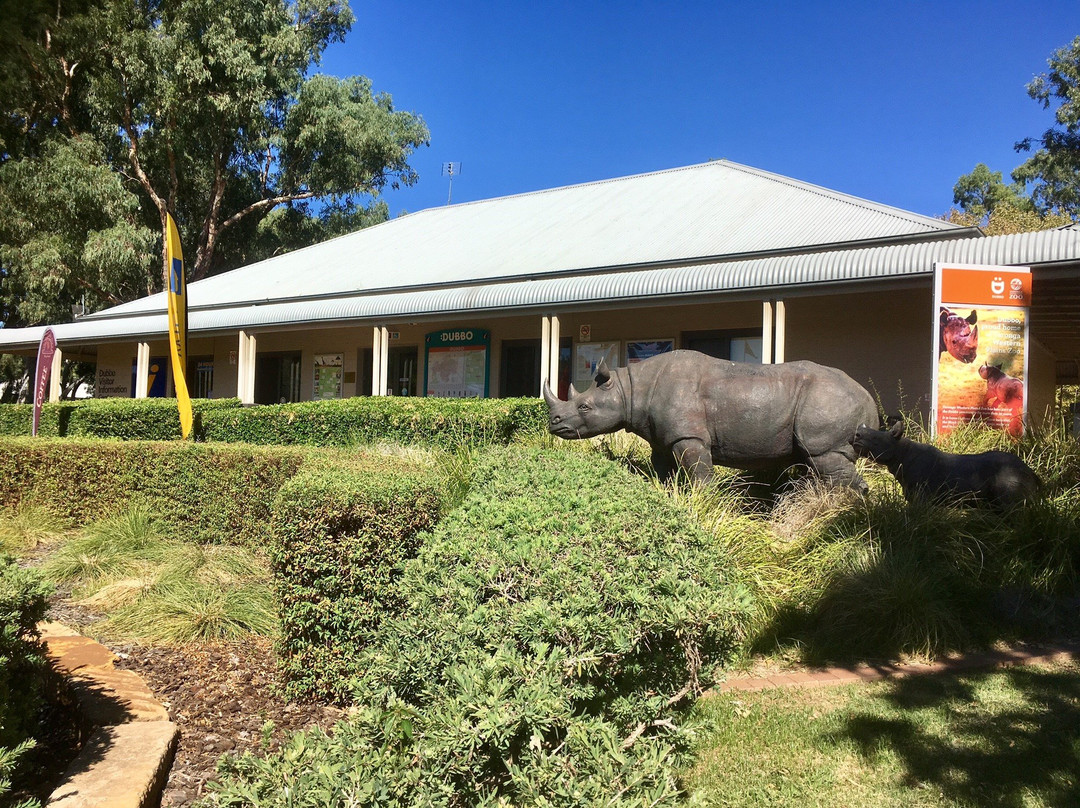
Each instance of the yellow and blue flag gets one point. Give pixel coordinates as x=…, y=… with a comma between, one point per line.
x=177, y=298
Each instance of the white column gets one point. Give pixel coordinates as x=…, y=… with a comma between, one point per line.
x=54, y=375
x=385, y=361
x=245, y=368
x=781, y=332
x=376, y=361
x=766, y=332
x=545, y=351
x=142, y=370
x=553, y=355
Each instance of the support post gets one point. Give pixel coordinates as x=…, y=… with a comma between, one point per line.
x=766, y=332
x=54, y=375
x=553, y=355
x=245, y=369
x=545, y=351
x=780, y=335
x=376, y=361
x=142, y=370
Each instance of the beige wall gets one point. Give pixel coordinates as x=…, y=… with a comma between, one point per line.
x=884, y=340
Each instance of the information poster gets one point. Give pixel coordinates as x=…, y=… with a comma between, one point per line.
x=328, y=372
x=587, y=357
x=456, y=363
x=640, y=350
x=980, y=346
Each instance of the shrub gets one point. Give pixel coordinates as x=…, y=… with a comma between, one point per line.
x=217, y=493
x=339, y=538
x=548, y=631
x=441, y=422
x=121, y=418
x=23, y=601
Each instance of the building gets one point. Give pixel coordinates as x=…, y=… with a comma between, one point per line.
x=493, y=297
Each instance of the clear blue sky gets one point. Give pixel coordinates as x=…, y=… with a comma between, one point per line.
x=887, y=101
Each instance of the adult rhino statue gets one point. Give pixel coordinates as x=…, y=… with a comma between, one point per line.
x=695, y=411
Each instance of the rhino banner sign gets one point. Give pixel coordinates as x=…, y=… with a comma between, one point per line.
x=980, y=346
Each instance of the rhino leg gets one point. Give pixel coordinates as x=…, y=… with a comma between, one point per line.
x=663, y=462
x=837, y=468
x=694, y=458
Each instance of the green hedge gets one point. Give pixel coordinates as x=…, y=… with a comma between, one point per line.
x=540, y=647
x=124, y=418
x=444, y=422
x=339, y=539
x=216, y=493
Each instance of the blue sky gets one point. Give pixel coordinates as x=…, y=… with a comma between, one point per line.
x=887, y=101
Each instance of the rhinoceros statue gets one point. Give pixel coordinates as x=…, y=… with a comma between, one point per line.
x=695, y=411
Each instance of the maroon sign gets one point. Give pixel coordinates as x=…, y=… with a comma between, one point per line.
x=45, y=353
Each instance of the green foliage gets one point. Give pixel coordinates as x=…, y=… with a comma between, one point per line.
x=123, y=418
x=23, y=601
x=1053, y=170
x=339, y=539
x=547, y=633
x=982, y=191
x=217, y=493
x=444, y=422
x=156, y=589
x=28, y=526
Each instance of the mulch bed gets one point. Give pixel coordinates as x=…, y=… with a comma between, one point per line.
x=222, y=696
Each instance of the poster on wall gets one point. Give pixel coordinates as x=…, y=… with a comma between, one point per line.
x=155, y=377
x=639, y=350
x=328, y=372
x=456, y=363
x=980, y=346
x=587, y=356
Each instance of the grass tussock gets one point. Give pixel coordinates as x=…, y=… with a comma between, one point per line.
x=157, y=589
x=28, y=527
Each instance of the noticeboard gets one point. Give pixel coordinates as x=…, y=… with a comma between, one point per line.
x=457, y=363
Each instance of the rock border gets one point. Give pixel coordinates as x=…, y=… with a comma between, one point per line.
x=127, y=756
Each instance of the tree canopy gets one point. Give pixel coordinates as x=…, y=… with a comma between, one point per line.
x=1045, y=191
x=116, y=112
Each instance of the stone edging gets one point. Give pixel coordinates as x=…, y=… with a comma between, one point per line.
x=126, y=759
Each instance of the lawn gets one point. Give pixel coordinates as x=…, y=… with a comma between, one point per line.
x=1008, y=738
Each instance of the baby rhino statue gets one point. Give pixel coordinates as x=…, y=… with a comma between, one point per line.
x=696, y=411
x=998, y=479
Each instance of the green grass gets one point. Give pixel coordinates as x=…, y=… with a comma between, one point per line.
x=1007, y=738
x=155, y=588
x=28, y=527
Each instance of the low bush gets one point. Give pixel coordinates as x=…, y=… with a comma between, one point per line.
x=443, y=422
x=217, y=493
x=339, y=539
x=121, y=418
x=547, y=634
x=23, y=601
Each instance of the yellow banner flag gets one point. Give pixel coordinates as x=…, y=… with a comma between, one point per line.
x=177, y=297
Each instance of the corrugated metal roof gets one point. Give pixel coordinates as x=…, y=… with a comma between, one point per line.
x=766, y=274
x=708, y=210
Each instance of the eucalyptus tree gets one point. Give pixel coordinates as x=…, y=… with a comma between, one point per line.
x=114, y=113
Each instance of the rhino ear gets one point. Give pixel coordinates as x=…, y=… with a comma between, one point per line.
x=973, y=317
x=603, y=375
x=897, y=430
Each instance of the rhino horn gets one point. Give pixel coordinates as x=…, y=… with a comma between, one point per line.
x=603, y=375
x=551, y=399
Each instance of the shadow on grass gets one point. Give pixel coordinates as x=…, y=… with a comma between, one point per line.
x=1028, y=750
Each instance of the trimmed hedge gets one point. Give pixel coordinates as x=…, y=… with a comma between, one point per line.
x=441, y=422
x=215, y=493
x=123, y=418
x=339, y=539
x=538, y=651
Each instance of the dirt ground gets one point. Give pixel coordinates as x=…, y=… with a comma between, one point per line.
x=221, y=696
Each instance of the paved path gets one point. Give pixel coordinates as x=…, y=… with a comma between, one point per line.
x=985, y=660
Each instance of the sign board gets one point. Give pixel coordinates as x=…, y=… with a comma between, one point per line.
x=46, y=352
x=327, y=376
x=457, y=363
x=980, y=342
x=639, y=350
x=587, y=357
